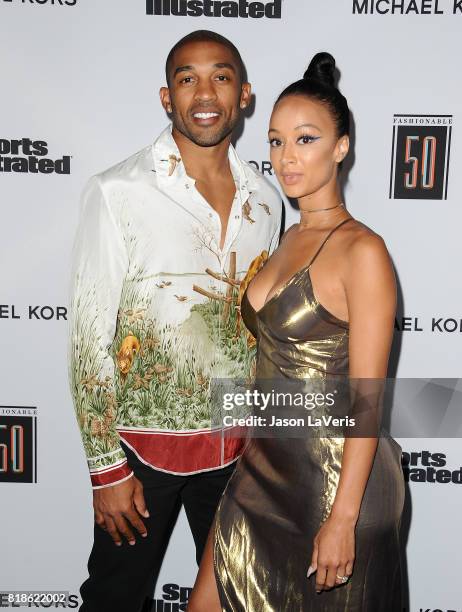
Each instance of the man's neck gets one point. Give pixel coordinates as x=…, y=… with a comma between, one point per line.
x=202, y=163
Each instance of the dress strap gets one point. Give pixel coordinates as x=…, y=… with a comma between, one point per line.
x=327, y=238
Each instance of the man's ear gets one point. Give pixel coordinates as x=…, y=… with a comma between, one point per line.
x=164, y=94
x=246, y=94
x=343, y=146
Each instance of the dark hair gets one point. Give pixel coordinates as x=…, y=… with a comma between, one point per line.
x=318, y=83
x=206, y=36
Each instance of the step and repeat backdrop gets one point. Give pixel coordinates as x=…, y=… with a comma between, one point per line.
x=80, y=83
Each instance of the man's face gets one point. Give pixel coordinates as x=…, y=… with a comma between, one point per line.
x=205, y=92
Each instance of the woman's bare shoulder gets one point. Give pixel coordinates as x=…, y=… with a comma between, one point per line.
x=363, y=240
x=366, y=252
x=288, y=231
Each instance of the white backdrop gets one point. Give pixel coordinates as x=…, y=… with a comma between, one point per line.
x=84, y=78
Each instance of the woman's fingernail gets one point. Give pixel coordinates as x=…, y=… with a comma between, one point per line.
x=310, y=571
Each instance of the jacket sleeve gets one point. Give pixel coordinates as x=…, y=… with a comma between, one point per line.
x=99, y=266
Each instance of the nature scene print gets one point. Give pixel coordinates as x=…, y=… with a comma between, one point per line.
x=162, y=373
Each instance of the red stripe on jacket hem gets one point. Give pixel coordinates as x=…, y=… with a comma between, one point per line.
x=111, y=476
x=184, y=454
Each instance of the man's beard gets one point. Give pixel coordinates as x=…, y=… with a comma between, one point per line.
x=204, y=137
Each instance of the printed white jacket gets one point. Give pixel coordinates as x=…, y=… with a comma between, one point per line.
x=154, y=310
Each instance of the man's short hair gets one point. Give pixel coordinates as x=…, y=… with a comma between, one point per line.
x=206, y=36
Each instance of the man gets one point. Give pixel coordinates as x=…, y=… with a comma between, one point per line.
x=165, y=243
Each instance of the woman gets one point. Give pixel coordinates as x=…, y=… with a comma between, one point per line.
x=322, y=307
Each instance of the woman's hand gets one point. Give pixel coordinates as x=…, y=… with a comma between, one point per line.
x=333, y=552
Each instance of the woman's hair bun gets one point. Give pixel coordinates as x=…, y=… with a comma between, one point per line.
x=320, y=83
x=321, y=68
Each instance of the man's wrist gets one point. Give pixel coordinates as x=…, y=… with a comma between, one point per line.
x=110, y=476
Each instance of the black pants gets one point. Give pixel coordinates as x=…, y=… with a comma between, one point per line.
x=122, y=578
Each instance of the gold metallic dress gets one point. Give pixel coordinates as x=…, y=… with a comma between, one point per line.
x=283, y=489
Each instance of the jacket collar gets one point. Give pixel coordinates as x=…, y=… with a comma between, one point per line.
x=169, y=168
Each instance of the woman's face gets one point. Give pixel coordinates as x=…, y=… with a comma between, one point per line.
x=305, y=149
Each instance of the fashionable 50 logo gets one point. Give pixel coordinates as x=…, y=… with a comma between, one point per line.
x=215, y=8
x=18, y=444
x=420, y=157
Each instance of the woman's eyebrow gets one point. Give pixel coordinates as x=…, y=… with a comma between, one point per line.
x=298, y=127
x=307, y=125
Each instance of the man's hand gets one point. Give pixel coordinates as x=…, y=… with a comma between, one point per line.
x=118, y=507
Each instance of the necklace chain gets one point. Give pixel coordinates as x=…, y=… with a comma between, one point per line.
x=308, y=210
x=318, y=210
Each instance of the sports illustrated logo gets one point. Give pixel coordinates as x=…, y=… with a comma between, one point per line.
x=41, y=2
x=18, y=444
x=174, y=598
x=28, y=156
x=215, y=8
x=425, y=466
x=405, y=7
x=421, y=150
